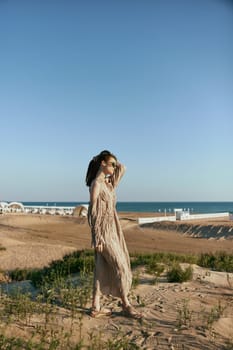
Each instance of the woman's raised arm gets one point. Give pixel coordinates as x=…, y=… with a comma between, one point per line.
x=118, y=173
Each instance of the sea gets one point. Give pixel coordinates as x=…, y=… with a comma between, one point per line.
x=157, y=207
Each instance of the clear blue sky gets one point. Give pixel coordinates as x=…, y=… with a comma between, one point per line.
x=150, y=80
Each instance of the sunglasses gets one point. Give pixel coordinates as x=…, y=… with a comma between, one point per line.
x=113, y=164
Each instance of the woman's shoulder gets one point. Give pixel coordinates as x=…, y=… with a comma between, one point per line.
x=96, y=183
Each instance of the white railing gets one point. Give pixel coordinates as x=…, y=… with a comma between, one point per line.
x=184, y=216
x=142, y=221
x=203, y=216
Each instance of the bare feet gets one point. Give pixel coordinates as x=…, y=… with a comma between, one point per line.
x=129, y=311
x=100, y=313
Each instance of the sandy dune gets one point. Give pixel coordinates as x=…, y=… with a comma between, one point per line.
x=34, y=241
x=43, y=238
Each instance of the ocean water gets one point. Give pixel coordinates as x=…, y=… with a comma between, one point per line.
x=194, y=207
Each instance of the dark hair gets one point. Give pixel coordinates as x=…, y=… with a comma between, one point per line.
x=95, y=163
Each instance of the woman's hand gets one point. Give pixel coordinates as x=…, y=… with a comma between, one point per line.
x=99, y=248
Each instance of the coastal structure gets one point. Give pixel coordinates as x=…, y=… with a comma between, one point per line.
x=181, y=215
x=3, y=206
x=17, y=207
x=82, y=210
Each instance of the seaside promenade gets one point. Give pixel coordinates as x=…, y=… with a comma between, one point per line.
x=17, y=207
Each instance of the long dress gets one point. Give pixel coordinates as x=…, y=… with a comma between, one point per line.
x=112, y=273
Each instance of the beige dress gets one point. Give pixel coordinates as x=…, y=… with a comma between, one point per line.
x=112, y=272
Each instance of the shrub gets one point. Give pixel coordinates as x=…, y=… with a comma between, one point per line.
x=166, y=258
x=219, y=261
x=22, y=274
x=177, y=274
x=77, y=262
x=154, y=268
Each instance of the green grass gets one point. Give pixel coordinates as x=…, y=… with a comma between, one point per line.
x=67, y=284
x=219, y=261
x=79, y=261
x=166, y=258
x=96, y=342
x=83, y=262
x=176, y=274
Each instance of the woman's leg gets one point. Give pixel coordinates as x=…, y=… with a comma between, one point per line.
x=125, y=300
x=96, y=285
x=96, y=295
x=96, y=310
x=128, y=309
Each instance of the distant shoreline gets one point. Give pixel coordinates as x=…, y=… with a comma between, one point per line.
x=157, y=207
x=162, y=208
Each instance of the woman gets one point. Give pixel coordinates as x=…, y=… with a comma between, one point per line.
x=112, y=274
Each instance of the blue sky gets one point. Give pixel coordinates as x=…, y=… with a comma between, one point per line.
x=152, y=81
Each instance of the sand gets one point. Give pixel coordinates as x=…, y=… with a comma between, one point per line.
x=35, y=240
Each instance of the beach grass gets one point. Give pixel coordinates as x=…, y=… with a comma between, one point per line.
x=66, y=285
x=83, y=262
